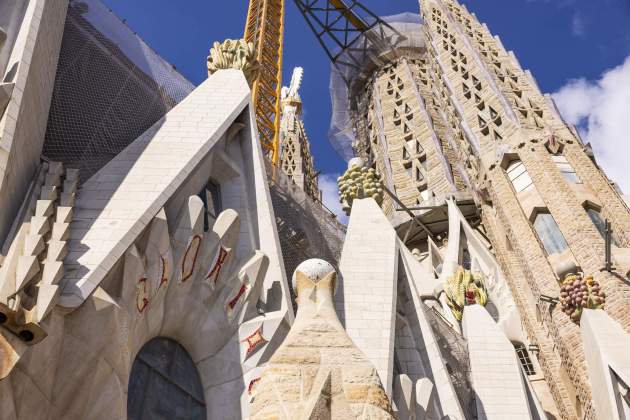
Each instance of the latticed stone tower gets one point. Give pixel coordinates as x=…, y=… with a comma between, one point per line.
x=296, y=159
x=455, y=115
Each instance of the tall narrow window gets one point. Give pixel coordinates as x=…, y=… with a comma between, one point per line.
x=523, y=357
x=549, y=233
x=599, y=222
x=566, y=169
x=419, y=176
x=518, y=175
x=211, y=197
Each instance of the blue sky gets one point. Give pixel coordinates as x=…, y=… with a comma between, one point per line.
x=569, y=45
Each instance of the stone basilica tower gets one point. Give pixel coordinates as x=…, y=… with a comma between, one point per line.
x=452, y=114
x=296, y=159
x=150, y=260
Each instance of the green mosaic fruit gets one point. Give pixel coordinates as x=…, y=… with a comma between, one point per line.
x=464, y=288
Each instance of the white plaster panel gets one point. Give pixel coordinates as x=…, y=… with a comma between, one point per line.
x=369, y=267
x=446, y=396
x=35, y=53
x=119, y=201
x=606, y=347
x=495, y=370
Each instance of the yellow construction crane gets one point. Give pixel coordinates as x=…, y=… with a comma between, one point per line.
x=265, y=29
x=338, y=25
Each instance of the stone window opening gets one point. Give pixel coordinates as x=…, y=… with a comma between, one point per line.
x=480, y=103
x=523, y=357
x=408, y=165
x=212, y=206
x=598, y=220
x=419, y=149
x=549, y=233
x=483, y=125
x=464, y=258
x=494, y=115
x=419, y=176
x=476, y=83
x=519, y=176
x=565, y=168
x=466, y=90
x=423, y=163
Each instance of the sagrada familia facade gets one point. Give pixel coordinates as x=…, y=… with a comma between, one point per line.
x=160, y=258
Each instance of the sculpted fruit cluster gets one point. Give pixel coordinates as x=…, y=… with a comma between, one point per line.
x=359, y=182
x=578, y=292
x=464, y=288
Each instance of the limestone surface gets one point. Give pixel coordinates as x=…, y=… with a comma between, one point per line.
x=318, y=372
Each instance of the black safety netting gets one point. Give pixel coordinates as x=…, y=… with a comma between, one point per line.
x=355, y=66
x=110, y=87
x=306, y=228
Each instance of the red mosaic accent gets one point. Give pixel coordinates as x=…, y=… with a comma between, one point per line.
x=252, y=385
x=470, y=298
x=196, y=241
x=213, y=275
x=145, y=301
x=254, y=340
x=232, y=303
x=164, y=265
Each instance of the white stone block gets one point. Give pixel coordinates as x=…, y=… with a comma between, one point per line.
x=39, y=225
x=404, y=397
x=64, y=214
x=57, y=250
x=369, y=267
x=6, y=89
x=60, y=231
x=424, y=394
x=34, y=245
x=494, y=366
x=47, y=298
x=48, y=193
x=27, y=268
x=606, y=347
x=44, y=208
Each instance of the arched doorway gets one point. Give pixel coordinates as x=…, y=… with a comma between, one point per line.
x=164, y=384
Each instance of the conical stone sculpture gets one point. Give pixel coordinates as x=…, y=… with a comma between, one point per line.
x=318, y=372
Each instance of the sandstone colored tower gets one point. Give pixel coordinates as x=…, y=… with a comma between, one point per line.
x=145, y=268
x=318, y=372
x=296, y=159
x=453, y=114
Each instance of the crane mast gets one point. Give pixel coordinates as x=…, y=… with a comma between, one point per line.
x=349, y=32
x=264, y=28
x=338, y=26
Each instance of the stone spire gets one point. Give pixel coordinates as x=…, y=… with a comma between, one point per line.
x=296, y=159
x=318, y=372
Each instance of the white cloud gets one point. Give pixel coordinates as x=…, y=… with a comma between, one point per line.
x=578, y=25
x=601, y=111
x=330, y=195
